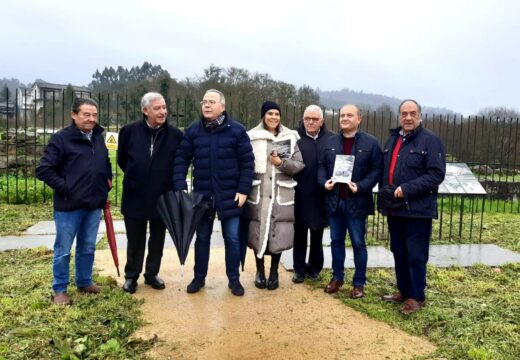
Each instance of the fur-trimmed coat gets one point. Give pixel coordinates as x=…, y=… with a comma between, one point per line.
x=271, y=201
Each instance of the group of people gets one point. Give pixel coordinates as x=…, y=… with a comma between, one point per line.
x=271, y=187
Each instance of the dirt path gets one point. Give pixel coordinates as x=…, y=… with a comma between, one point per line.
x=293, y=322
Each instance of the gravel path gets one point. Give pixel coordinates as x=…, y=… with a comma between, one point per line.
x=292, y=322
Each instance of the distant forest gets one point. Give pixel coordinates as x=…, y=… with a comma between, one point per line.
x=244, y=90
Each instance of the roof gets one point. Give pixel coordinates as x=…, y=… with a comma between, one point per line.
x=49, y=86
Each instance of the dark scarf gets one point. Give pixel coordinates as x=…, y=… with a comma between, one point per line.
x=211, y=125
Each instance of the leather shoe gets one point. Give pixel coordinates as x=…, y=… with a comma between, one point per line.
x=195, y=285
x=91, y=289
x=298, y=278
x=236, y=288
x=333, y=286
x=155, y=282
x=357, y=292
x=260, y=281
x=130, y=286
x=395, y=298
x=61, y=298
x=411, y=306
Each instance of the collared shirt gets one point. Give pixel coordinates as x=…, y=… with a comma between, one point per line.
x=311, y=136
x=88, y=134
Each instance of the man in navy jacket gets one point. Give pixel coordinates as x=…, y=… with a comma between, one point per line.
x=223, y=170
x=349, y=204
x=76, y=166
x=146, y=153
x=415, y=166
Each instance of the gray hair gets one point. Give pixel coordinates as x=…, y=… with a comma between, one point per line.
x=148, y=98
x=222, y=98
x=411, y=100
x=314, y=108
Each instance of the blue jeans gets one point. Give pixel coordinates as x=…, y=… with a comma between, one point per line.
x=409, y=242
x=340, y=221
x=83, y=225
x=230, y=231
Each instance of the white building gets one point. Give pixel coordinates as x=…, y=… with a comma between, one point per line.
x=33, y=98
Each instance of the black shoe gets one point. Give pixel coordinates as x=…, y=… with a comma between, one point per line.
x=195, y=285
x=298, y=278
x=260, y=281
x=272, y=282
x=236, y=288
x=130, y=286
x=155, y=282
x=313, y=275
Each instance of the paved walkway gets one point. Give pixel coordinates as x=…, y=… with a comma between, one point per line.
x=42, y=234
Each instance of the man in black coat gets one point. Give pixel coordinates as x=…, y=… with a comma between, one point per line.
x=309, y=204
x=146, y=153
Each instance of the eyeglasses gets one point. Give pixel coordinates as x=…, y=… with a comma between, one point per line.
x=311, y=119
x=208, y=102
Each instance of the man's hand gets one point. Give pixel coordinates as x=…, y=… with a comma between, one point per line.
x=353, y=187
x=109, y=184
x=241, y=198
x=329, y=185
x=398, y=193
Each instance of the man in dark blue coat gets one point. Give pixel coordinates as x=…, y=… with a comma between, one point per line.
x=76, y=166
x=309, y=202
x=146, y=154
x=349, y=204
x=223, y=170
x=415, y=166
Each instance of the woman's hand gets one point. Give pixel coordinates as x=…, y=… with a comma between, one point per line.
x=275, y=159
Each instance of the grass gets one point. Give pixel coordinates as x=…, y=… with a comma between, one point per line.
x=472, y=313
x=32, y=327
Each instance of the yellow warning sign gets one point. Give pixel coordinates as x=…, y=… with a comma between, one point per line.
x=111, y=140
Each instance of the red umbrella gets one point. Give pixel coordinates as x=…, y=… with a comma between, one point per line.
x=111, y=237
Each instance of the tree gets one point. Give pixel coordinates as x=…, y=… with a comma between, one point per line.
x=499, y=112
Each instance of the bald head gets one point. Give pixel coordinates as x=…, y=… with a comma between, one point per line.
x=349, y=119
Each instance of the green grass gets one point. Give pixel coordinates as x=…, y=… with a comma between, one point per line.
x=31, y=327
x=471, y=313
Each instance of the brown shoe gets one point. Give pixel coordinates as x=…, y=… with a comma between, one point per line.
x=411, y=305
x=395, y=298
x=61, y=298
x=91, y=289
x=333, y=286
x=357, y=292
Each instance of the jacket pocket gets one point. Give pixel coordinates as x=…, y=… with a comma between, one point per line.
x=254, y=195
x=285, y=194
x=416, y=158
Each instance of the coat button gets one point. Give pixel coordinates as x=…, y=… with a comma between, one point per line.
x=270, y=197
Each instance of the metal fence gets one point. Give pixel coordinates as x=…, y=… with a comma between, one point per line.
x=488, y=145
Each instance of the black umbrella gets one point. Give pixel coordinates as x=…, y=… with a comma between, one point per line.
x=182, y=213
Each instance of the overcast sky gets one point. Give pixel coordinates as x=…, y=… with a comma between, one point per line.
x=463, y=55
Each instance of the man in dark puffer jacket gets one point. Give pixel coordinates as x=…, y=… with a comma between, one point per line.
x=223, y=169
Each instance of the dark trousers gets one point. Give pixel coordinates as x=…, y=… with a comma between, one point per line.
x=136, y=235
x=315, y=264
x=409, y=242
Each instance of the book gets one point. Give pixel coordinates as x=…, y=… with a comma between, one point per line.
x=343, y=166
x=282, y=148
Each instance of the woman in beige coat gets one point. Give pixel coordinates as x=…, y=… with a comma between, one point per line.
x=271, y=201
